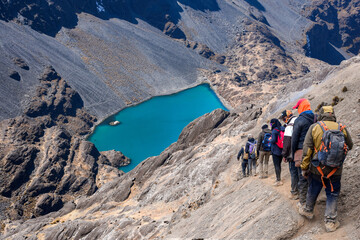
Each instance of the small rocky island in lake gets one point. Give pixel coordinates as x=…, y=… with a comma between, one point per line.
x=114, y=123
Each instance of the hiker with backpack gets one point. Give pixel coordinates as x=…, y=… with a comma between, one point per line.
x=325, y=147
x=250, y=149
x=264, y=149
x=277, y=137
x=244, y=163
x=301, y=125
x=288, y=118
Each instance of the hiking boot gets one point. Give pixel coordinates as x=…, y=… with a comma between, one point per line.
x=307, y=214
x=332, y=226
x=299, y=205
x=278, y=183
x=294, y=197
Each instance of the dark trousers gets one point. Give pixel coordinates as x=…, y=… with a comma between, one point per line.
x=315, y=186
x=277, y=165
x=294, y=178
x=302, y=186
x=252, y=165
x=244, y=166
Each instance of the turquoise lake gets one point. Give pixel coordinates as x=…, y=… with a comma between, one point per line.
x=148, y=128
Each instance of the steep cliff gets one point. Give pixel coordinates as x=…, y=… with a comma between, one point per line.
x=44, y=160
x=338, y=23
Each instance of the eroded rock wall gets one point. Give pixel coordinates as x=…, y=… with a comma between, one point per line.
x=44, y=158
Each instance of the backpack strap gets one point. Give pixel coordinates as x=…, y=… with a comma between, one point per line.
x=323, y=128
x=328, y=176
x=341, y=128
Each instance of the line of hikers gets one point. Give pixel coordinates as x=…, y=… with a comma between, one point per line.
x=314, y=146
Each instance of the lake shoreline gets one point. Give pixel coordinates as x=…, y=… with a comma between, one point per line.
x=205, y=81
x=147, y=129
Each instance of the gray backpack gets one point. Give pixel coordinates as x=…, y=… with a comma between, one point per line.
x=333, y=149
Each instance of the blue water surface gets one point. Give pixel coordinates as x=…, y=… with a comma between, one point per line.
x=150, y=127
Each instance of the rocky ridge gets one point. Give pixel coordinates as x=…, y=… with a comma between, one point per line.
x=194, y=189
x=45, y=161
x=258, y=67
x=338, y=23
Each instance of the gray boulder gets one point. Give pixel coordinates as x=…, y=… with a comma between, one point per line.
x=116, y=158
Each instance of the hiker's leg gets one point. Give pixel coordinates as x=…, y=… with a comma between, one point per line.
x=303, y=187
x=250, y=166
x=315, y=186
x=244, y=165
x=294, y=178
x=277, y=162
x=261, y=161
x=332, y=198
x=254, y=166
x=280, y=161
x=267, y=157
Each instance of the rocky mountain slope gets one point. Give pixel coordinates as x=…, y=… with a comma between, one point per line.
x=194, y=188
x=115, y=54
x=44, y=160
x=111, y=54
x=339, y=22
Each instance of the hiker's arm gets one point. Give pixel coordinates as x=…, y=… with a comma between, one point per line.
x=274, y=136
x=259, y=141
x=348, y=139
x=308, y=149
x=247, y=147
x=295, y=136
x=241, y=152
x=286, y=147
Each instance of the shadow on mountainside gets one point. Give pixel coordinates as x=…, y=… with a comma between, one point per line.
x=255, y=3
x=49, y=18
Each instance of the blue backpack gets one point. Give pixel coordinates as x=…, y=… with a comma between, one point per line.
x=266, y=144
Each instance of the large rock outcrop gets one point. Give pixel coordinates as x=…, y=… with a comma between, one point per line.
x=44, y=160
x=338, y=24
x=49, y=16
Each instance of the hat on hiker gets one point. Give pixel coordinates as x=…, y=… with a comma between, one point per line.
x=298, y=103
x=326, y=109
x=302, y=105
x=326, y=113
x=286, y=115
x=250, y=136
x=264, y=126
x=275, y=123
